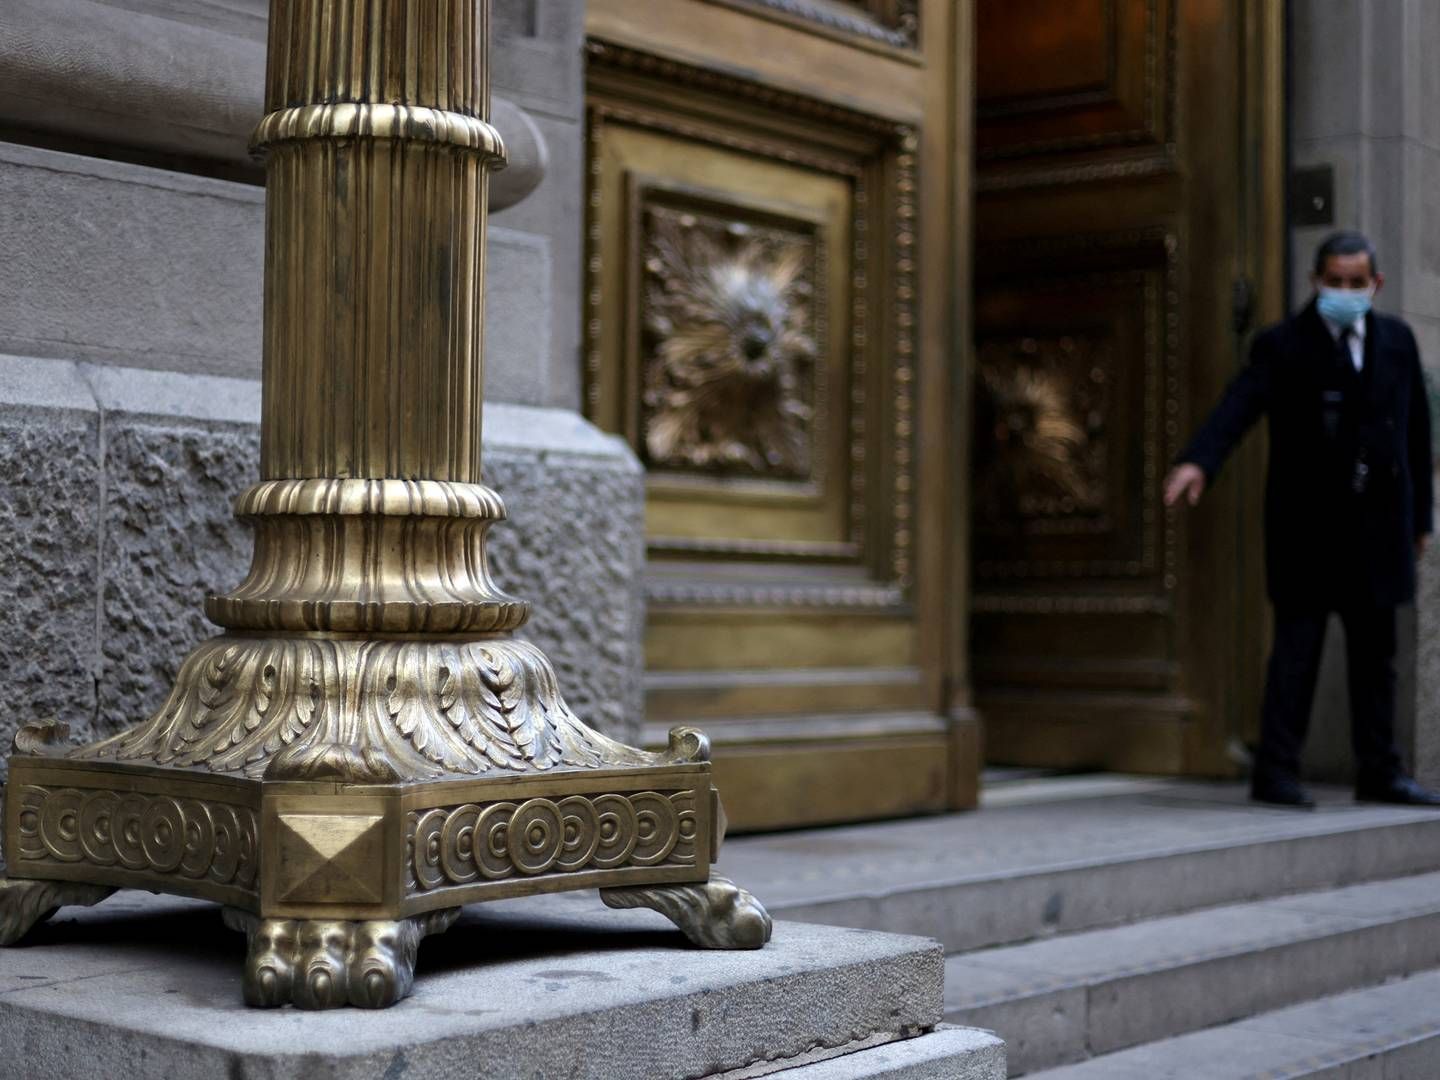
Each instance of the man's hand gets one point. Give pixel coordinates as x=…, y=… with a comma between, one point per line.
x=1185, y=481
x=1421, y=543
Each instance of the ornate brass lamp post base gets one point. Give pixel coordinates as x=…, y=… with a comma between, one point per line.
x=333, y=862
x=368, y=747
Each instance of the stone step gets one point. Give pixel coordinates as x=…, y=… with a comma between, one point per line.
x=1068, y=998
x=142, y=986
x=1389, y=1032
x=947, y=1053
x=1050, y=857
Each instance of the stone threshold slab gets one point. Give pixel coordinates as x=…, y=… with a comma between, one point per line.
x=1389, y=1032
x=1066, y=998
x=144, y=986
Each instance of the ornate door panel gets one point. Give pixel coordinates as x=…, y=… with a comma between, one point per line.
x=754, y=331
x=1127, y=155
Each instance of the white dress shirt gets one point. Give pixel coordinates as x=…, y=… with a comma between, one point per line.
x=1356, y=342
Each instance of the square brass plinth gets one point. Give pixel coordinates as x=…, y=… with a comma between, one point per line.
x=328, y=850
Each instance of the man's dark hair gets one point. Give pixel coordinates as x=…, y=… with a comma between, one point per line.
x=1345, y=242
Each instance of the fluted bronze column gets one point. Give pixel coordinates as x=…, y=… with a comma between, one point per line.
x=367, y=746
x=377, y=160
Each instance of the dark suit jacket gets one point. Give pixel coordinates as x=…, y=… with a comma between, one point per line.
x=1325, y=543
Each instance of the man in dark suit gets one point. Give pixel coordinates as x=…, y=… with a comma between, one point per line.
x=1347, y=510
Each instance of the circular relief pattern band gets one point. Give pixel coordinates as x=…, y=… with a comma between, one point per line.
x=153, y=834
x=196, y=860
x=60, y=826
x=426, y=847
x=97, y=814
x=492, y=828
x=535, y=836
x=686, y=828
x=581, y=826
x=657, y=827
x=459, y=845
x=125, y=831
x=162, y=834
x=618, y=827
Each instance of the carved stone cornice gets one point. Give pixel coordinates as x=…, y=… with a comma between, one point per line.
x=621, y=57
x=176, y=87
x=895, y=23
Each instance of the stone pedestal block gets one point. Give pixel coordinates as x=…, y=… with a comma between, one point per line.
x=143, y=987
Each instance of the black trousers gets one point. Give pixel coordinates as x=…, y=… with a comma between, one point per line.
x=1290, y=690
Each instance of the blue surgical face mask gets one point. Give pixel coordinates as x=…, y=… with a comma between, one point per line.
x=1344, y=306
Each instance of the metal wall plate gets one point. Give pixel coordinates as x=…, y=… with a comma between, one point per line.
x=1312, y=196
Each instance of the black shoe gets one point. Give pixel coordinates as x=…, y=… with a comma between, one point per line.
x=1401, y=791
x=1281, y=791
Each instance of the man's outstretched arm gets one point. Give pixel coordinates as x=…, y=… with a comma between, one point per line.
x=1243, y=402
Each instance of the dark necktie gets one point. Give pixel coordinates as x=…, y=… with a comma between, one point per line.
x=1360, y=476
x=1347, y=334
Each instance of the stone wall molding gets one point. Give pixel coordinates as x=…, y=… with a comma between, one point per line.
x=151, y=85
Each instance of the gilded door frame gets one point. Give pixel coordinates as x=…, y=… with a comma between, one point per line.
x=917, y=96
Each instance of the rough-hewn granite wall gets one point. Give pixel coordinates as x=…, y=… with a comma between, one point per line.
x=115, y=491
x=1425, y=737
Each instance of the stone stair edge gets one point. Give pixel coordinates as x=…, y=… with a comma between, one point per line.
x=948, y=1052
x=1299, y=1042
x=994, y=957
x=1058, y=1000
x=1036, y=905
x=1431, y=819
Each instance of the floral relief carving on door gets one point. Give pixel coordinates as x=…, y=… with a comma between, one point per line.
x=729, y=311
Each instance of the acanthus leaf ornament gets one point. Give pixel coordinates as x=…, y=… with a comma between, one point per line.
x=43, y=737
x=427, y=708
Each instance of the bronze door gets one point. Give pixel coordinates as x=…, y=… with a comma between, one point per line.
x=1128, y=234
x=771, y=235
